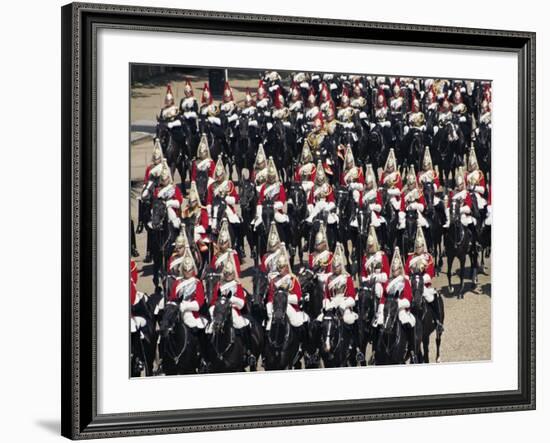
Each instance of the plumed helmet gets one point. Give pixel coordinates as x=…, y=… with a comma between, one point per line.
x=397, y=88
x=370, y=177
x=372, y=241
x=320, y=176
x=459, y=178
x=295, y=93
x=411, y=177
x=169, y=96
x=219, y=172
x=229, y=269
x=282, y=260
x=227, y=93
x=203, y=150
x=306, y=156
x=157, y=156
x=474, y=178
x=396, y=263
x=279, y=101
x=472, y=160
x=381, y=98
x=420, y=242
x=273, y=239
x=272, y=175
x=181, y=240
x=324, y=93
x=194, y=198
x=339, y=259
x=261, y=158
x=427, y=164
x=206, y=98
x=224, y=239
x=445, y=104
x=188, y=262
x=344, y=99
x=165, y=175
x=321, y=236
x=357, y=88
x=349, y=161
x=188, y=89
x=311, y=98
x=457, y=96
x=319, y=121
x=391, y=163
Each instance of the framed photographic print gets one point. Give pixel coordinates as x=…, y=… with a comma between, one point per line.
x=265, y=216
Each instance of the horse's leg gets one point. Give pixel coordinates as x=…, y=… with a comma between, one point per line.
x=462, y=272
x=426, y=348
x=450, y=259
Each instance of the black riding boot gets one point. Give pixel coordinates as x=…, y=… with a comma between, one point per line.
x=203, y=348
x=148, y=257
x=134, y=251
x=437, y=314
x=355, y=337
x=411, y=342
x=246, y=334
x=238, y=240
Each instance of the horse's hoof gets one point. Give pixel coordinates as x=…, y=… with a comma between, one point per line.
x=438, y=360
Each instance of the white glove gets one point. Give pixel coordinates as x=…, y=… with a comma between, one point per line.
x=321, y=204
x=190, y=114
x=436, y=128
x=293, y=299
x=230, y=200
x=405, y=130
x=465, y=210
x=199, y=229
x=237, y=302
x=278, y=205
x=462, y=119
x=232, y=118
x=427, y=279
x=403, y=303
x=479, y=189
x=273, y=88
x=375, y=207
x=214, y=120
x=269, y=126
x=253, y=123
x=363, y=115
x=172, y=204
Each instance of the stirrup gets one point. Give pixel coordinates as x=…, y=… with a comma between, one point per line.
x=439, y=326
x=251, y=360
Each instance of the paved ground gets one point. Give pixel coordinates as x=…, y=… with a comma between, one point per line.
x=467, y=335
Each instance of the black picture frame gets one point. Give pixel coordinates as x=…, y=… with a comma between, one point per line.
x=79, y=179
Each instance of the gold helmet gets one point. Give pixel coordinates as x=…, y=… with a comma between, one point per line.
x=391, y=163
x=169, y=97
x=472, y=160
x=427, y=164
x=193, y=196
x=188, y=262
x=349, y=161
x=411, y=178
x=229, y=269
x=372, y=241
x=370, y=177
x=396, y=263
x=321, y=236
x=181, y=240
x=165, y=175
x=272, y=175
x=156, y=157
x=219, y=172
x=420, y=242
x=306, y=156
x=273, y=239
x=188, y=89
x=320, y=176
x=339, y=259
x=261, y=158
x=224, y=239
x=203, y=150
x=282, y=260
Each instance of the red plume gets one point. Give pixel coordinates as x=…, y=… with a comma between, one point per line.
x=203, y=98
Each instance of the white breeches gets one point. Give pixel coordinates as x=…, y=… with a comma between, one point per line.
x=238, y=320
x=349, y=316
x=429, y=294
x=296, y=318
x=467, y=219
x=307, y=186
x=406, y=316
x=136, y=323
x=172, y=216
x=331, y=218
x=190, y=320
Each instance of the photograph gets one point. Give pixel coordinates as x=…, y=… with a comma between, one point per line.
x=286, y=220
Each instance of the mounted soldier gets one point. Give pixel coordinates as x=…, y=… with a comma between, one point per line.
x=352, y=176
x=268, y=262
x=229, y=112
x=321, y=197
x=259, y=172
x=461, y=114
x=176, y=259
x=189, y=109
x=399, y=287
x=412, y=199
x=375, y=266
x=311, y=110
x=171, y=195
x=321, y=259
x=421, y=262
x=196, y=216
x=223, y=251
x=398, y=107
x=391, y=179
x=169, y=112
x=372, y=197
x=203, y=164
x=461, y=194
x=210, y=122
x=306, y=170
x=263, y=105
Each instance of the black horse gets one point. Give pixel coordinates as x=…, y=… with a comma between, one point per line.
x=436, y=219
x=483, y=148
x=178, y=343
x=226, y=348
x=409, y=233
x=424, y=314
x=345, y=209
x=144, y=339
x=359, y=234
x=297, y=212
x=390, y=239
x=450, y=146
x=162, y=243
x=457, y=244
x=334, y=339
x=174, y=147
x=391, y=340
x=366, y=307
x=377, y=143
x=411, y=149
x=282, y=342
x=247, y=203
x=256, y=301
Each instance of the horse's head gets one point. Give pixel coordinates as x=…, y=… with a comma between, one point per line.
x=391, y=310
x=451, y=132
x=210, y=279
x=365, y=297
x=428, y=192
x=342, y=197
x=268, y=214
x=363, y=220
x=222, y=313
x=454, y=210
x=417, y=285
x=411, y=222
x=259, y=289
x=330, y=330
x=158, y=214
x=298, y=196
x=169, y=319
x=247, y=193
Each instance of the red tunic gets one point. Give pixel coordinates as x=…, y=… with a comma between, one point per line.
x=197, y=296
x=232, y=192
x=349, y=292
x=211, y=169
x=406, y=293
x=311, y=199
x=280, y=196
x=398, y=184
x=435, y=180
x=177, y=195
x=310, y=177
x=328, y=267
x=430, y=268
x=294, y=288
x=238, y=292
x=466, y=201
x=360, y=178
x=404, y=205
x=214, y=266
x=133, y=271
x=385, y=265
